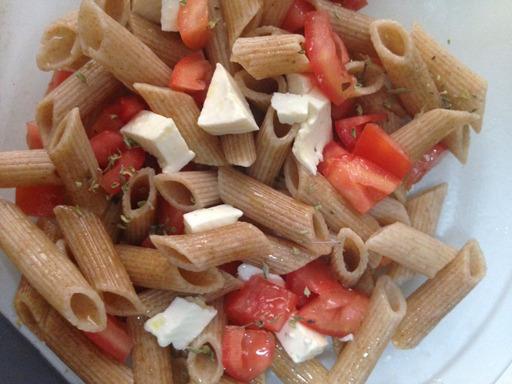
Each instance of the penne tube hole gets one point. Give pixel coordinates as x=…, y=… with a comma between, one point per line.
x=320, y=228
x=92, y=35
x=179, y=193
x=60, y=43
x=393, y=39
x=139, y=192
x=26, y=316
x=114, y=8
x=292, y=175
x=205, y=362
x=351, y=256
x=393, y=294
x=85, y=309
x=280, y=130
x=197, y=278
x=118, y=303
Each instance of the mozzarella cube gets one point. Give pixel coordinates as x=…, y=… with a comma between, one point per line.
x=225, y=110
x=210, y=218
x=180, y=323
x=300, y=342
x=298, y=84
x=246, y=271
x=169, y=15
x=290, y=108
x=159, y=136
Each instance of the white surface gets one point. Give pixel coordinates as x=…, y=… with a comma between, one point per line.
x=169, y=15
x=473, y=344
x=246, y=271
x=207, y=219
x=290, y=108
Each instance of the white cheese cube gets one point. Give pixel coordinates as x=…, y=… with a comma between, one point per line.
x=180, y=323
x=290, y=108
x=246, y=271
x=169, y=15
x=225, y=110
x=159, y=136
x=300, y=342
x=210, y=218
x=298, y=84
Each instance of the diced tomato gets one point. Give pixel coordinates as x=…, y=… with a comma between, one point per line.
x=40, y=200
x=58, y=77
x=322, y=51
x=108, y=119
x=129, y=106
x=114, y=340
x=231, y=268
x=349, y=129
x=34, y=140
x=336, y=313
x=377, y=146
x=130, y=161
x=147, y=243
x=170, y=219
x=421, y=167
x=260, y=303
x=191, y=74
x=296, y=16
x=354, y=5
x=343, y=110
x=247, y=353
x=193, y=23
x=105, y=144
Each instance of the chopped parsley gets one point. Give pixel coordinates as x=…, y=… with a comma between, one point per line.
x=266, y=271
x=80, y=76
x=203, y=350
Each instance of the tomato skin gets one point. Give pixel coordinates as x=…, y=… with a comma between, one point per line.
x=347, y=108
x=259, y=300
x=193, y=23
x=129, y=106
x=349, y=129
x=33, y=137
x=113, y=180
x=105, y=144
x=296, y=16
x=116, y=114
x=377, y=146
x=322, y=51
x=191, y=74
x=40, y=200
x=114, y=340
x=246, y=353
x=170, y=218
x=421, y=167
x=57, y=79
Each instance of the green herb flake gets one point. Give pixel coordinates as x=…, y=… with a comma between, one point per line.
x=80, y=76
x=141, y=203
x=266, y=271
x=78, y=210
x=212, y=24
x=353, y=133
x=295, y=251
x=130, y=143
x=449, y=41
x=359, y=109
x=78, y=184
x=387, y=105
x=318, y=207
x=125, y=219
x=183, y=2
x=294, y=320
x=115, y=185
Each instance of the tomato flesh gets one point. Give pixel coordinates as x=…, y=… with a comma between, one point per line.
x=114, y=340
x=260, y=303
x=40, y=200
x=130, y=161
x=354, y=5
x=193, y=23
x=129, y=106
x=349, y=129
x=33, y=137
x=191, y=74
x=296, y=16
x=246, y=353
x=170, y=219
x=57, y=79
x=106, y=144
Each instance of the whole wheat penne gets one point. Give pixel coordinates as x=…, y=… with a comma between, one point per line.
x=150, y=269
x=139, y=205
x=179, y=371
x=287, y=256
x=231, y=284
x=27, y=168
x=111, y=219
x=353, y=27
x=168, y=46
x=50, y=227
x=317, y=191
x=428, y=129
x=424, y=210
x=287, y=217
x=239, y=149
x=431, y=302
x=45, y=267
x=274, y=11
x=204, y=359
x=31, y=308
x=458, y=142
x=270, y=56
x=273, y=145
x=98, y=260
x=259, y=93
x=151, y=363
x=120, y=52
x=71, y=152
x=267, y=30
x=357, y=360
x=383, y=102
x=308, y=372
x=349, y=257
x=88, y=90
x=366, y=283
x=156, y=301
x=183, y=110
x=204, y=250
x=148, y=9
x=119, y=10
x=370, y=77
x=465, y=90
x=389, y=211
x=412, y=248
x=189, y=191
x=218, y=48
x=241, y=16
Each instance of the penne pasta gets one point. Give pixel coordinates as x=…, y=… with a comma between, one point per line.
x=139, y=205
x=204, y=361
x=273, y=145
x=166, y=45
x=31, y=308
x=119, y=10
x=285, y=216
x=309, y=372
x=259, y=93
x=230, y=284
x=204, y=250
x=458, y=142
x=218, y=47
x=150, y=269
x=267, y=30
x=156, y=301
x=411, y=248
x=465, y=90
x=370, y=77
x=183, y=110
x=45, y=267
x=151, y=363
x=148, y=9
x=98, y=260
x=88, y=89
x=317, y=191
x=27, y=168
x=275, y=11
x=112, y=219
x=239, y=149
x=349, y=257
x=287, y=256
x=431, y=302
x=389, y=211
x=366, y=283
x=270, y=56
x=358, y=358
x=240, y=16
x=189, y=191
x=70, y=151
x=120, y=52
x=50, y=227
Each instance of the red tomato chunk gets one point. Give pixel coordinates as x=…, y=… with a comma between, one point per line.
x=114, y=340
x=296, y=16
x=193, y=23
x=106, y=144
x=40, y=200
x=349, y=129
x=33, y=138
x=130, y=161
